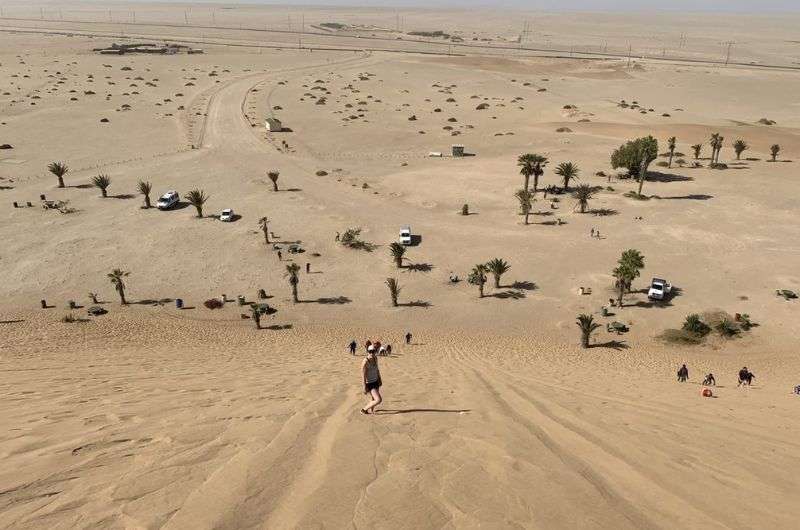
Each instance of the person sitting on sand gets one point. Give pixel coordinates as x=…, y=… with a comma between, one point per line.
x=745, y=377
x=382, y=350
x=388, y=349
x=367, y=344
x=371, y=377
x=683, y=374
x=709, y=380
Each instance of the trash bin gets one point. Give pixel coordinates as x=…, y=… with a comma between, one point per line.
x=179, y=303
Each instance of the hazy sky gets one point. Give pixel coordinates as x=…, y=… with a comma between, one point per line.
x=600, y=5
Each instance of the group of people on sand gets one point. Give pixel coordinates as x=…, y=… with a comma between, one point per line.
x=370, y=371
x=745, y=377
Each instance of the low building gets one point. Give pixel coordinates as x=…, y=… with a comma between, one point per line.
x=274, y=125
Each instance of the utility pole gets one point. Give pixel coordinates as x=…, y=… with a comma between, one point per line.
x=728, y=53
x=186, y=17
x=629, y=55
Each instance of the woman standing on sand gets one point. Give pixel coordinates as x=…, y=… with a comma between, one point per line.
x=371, y=377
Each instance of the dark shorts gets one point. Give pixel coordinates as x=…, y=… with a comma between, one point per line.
x=373, y=386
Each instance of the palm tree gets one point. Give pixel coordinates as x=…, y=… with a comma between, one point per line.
x=397, y=251
x=634, y=260
x=497, y=267
x=623, y=276
x=588, y=326
x=59, y=169
x=531, y=164
x=583, y=193
x=478, y=277
x=256, y=313
x=273, y=176
x=774, y=150
x=716, y=147
x=567, y=171
x=197, y=198
x=525, y=199
x=292, y=272
x=264, y=224
x=697, y=148
x=102, y=181
x=145, y=188
x=740, y=146
x=116, y=276
x=671, y=146
x=394, y=289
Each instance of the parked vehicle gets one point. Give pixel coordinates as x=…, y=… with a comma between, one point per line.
x=226, y=215
x=405, y=235
x=659, y=289
x=168, y=200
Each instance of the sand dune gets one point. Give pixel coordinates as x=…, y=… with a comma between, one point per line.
x=152, y=416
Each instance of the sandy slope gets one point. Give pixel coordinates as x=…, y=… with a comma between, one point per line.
x=153, y=417
x=232, y=428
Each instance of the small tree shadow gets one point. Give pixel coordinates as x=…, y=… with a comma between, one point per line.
x=657, y=176
x=123, y=196
x=603, y=212
x=278, y=327
x=293, y=189
x=82, y=186
x=504, y=295
x=693, y=197
x=338, y=300
x=542, y=213
x=415, y=303
x=613, y=344
x=418, y=267
x=523, y=286
x=180, y=205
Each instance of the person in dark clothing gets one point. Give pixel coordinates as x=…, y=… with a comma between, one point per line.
x=709, y=380
x=280, y=256
x=745, y=377
x=408, y=337
x=308, y=268
x=353, y=346
x=683, y=374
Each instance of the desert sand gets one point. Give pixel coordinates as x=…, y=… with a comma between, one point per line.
x=152, y=416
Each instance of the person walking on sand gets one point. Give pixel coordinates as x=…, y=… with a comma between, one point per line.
x=280, y=256
x=408, y=337
x=371, y=377
x=338, y=237
x=683, y=374
x=353, y=346
x=308, y=268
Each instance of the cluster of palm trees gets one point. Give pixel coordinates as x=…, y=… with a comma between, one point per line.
x=478, y=276
x=628, y=269
x=716, y=143
x=532, y=165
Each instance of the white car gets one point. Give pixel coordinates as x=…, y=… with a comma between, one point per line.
x=405, y=235
x=659, y=289
x=168, y=200
x=226, y=215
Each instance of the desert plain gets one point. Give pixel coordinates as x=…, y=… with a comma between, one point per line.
x=151, y=416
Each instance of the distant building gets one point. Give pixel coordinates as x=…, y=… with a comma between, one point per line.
x=458, y=150
x=274, y=125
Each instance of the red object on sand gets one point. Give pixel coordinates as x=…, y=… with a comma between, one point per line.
x=707, y=392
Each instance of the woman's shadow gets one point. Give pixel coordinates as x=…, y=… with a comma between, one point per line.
x=408, y=411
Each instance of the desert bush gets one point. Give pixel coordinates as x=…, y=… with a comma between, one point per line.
x=694, y=324
x=727, y=328
x=351, y=239
x=213, y=303
x=69, y=318
x=662, y=163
